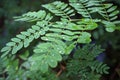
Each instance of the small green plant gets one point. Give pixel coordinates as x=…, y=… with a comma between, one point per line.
x=57, y=39
x=83, y=65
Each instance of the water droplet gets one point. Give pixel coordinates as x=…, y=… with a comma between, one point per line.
x=41, y=50
x=61, y=23
x=63, y=37
x=60, y=51
x=44, y=38
x=77, y=4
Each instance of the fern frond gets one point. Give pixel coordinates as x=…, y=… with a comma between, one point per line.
x=81, y=8
x=84, y=64
x=46, y=54
x=25, y=38
x=58, y=32
x=62, y=46
x=87, y=8
x=60, y=9
x=62, y=38
x=83, y=24
x=70, y=31
x=99, y=67
x=88, y=52
x=109, y=12
x=87, y=24
x=93, y=76
x=34, y=16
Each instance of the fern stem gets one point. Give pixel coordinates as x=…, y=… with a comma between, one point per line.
x=61, y=11
x=105, y=11
x=75, y=19
x=86, y=10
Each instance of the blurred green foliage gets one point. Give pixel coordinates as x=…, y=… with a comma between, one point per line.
x=11, y=8
x=9, y=28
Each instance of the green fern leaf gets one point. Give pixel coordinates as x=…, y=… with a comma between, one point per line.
x=60, y=9
x=84, y=38
x=99, y=67
x=79, y=5
x=5, y=49
x=87, y=24
x=45, y=55
x=88, y=7
x=110, y=12
x=60, y=48
x=69, y=49
x=34, y=16
x=110, y=27
x=25, y=38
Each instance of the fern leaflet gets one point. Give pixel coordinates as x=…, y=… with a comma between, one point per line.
x=34, y=16
x=60, y=9
x=25, y=38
